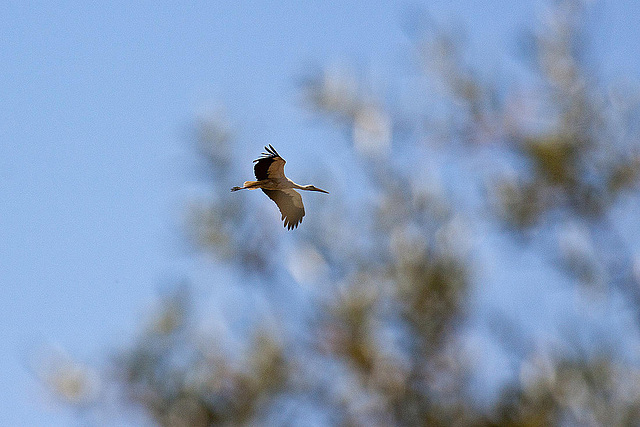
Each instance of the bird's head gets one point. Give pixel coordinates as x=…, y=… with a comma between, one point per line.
x=312, y=188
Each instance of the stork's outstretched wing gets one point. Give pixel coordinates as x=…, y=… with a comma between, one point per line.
x=290, y=204
x=270, y=165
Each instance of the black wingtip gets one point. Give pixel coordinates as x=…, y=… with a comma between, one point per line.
x=289, y=225
x=269, y=152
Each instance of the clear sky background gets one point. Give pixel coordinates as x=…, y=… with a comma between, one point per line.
x=96, y=104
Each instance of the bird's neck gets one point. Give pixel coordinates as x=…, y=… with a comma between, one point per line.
x=298, y=186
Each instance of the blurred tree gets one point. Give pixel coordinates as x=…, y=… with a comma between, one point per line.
x=382, y=338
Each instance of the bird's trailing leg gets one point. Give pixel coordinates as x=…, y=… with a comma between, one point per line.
x=248, y=185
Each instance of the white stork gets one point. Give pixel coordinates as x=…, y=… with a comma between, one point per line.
x=269, y=170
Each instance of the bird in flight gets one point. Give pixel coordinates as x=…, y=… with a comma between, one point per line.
x=269, y=170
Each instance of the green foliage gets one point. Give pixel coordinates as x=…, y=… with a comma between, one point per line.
x=186, y=380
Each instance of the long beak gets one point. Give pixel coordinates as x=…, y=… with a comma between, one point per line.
x=322, y=191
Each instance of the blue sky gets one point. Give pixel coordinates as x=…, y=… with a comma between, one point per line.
x=97, y=100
